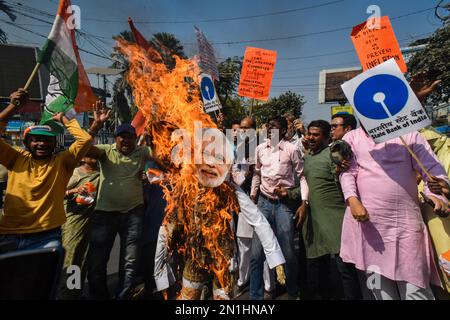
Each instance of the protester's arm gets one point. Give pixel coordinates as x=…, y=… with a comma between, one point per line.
x=423, y=86
x=101, y=115
x=83, y=140
x=254, y=217
x=238, y=175
x=298, y=166
x=439, y=186
x=148, y=154
x=350, y=189
x=295, y=194
x=256, y=180
x=163, y=273
x=9, y=155
x=17, y=100
x=424, y=153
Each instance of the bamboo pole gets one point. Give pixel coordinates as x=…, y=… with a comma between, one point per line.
x=30, y=79
x=416, y=158
x=251, y=107
x=32, y=75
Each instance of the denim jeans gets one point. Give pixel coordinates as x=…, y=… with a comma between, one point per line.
x=40, y=240
x=280, y=217
x=105, y=226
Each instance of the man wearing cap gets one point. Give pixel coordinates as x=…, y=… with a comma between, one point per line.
x=119, y=210
x=34, y=201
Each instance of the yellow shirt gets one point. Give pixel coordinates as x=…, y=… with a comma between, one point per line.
x=34, y=200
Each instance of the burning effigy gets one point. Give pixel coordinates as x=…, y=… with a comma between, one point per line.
x=197, y=158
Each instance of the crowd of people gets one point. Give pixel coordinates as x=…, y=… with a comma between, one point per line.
x=344, y=213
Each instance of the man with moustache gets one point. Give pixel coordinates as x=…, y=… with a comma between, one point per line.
x=119, y=209
x=34, y=201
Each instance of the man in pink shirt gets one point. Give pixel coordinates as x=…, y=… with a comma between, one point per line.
x=277, y=164
x=383, y=231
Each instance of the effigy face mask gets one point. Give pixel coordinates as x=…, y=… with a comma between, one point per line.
x=216, y=158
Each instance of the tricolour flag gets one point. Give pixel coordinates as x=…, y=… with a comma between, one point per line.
x=69, y=86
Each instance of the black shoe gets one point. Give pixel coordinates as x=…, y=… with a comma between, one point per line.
x=269, y=295
x=240, y=290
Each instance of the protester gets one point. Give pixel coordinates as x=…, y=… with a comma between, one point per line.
x=119, y=208
x=440, y=144
x=34, y=202
x=81, y=195
x=153, y=216
x=277, y=164
x=438, y=226
x=341, y=123
x=383, y=233
x=296, y=132
x=321, y=218
x=235, y=125
x=242, y=173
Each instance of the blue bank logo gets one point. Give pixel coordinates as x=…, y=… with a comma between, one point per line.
x=207, y=88
x=381, y=96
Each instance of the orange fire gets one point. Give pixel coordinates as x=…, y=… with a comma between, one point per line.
x=169, y=100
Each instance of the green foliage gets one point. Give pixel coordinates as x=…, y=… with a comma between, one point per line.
x=168, y=46
x=288, y=102
x=229, y=74
x=234, y=108
x=434, y=61
x=121, y=62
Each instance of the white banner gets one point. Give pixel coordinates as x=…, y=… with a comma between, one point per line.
x=210, y=99
x=384, y=102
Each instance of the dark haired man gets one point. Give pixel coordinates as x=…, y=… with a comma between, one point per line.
x=34, y=201
x=119, y=208
x=322, y=230
x=277, y=163
x=341, y=123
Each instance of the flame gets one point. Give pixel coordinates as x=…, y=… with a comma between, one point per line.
x=200, y=217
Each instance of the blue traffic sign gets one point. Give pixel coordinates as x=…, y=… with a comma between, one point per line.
x=381, y=96
x=207, y=88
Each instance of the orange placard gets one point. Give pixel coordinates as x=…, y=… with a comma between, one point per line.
x=375, y=46
x=257, y=72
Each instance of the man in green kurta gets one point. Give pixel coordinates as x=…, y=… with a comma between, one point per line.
x=321, y=217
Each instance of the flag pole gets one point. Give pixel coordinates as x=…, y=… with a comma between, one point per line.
x=251, y=107
x=416, y=158
x=32, y=75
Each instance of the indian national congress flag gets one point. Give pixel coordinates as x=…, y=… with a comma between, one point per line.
x=69, y=86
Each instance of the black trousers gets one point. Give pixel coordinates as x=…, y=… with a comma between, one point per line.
x=329, y=278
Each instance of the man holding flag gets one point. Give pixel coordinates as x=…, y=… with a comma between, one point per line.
x=34, y=201
x=34, y=209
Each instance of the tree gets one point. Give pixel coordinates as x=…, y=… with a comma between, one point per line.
x=434, y=62
x=234, y=107
x=168, y=46
x=288, y=102
x=229, y=74
x=165, y=43
x=121, y=62
x=6, y=9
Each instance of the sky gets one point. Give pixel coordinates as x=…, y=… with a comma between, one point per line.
x=308, y=35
